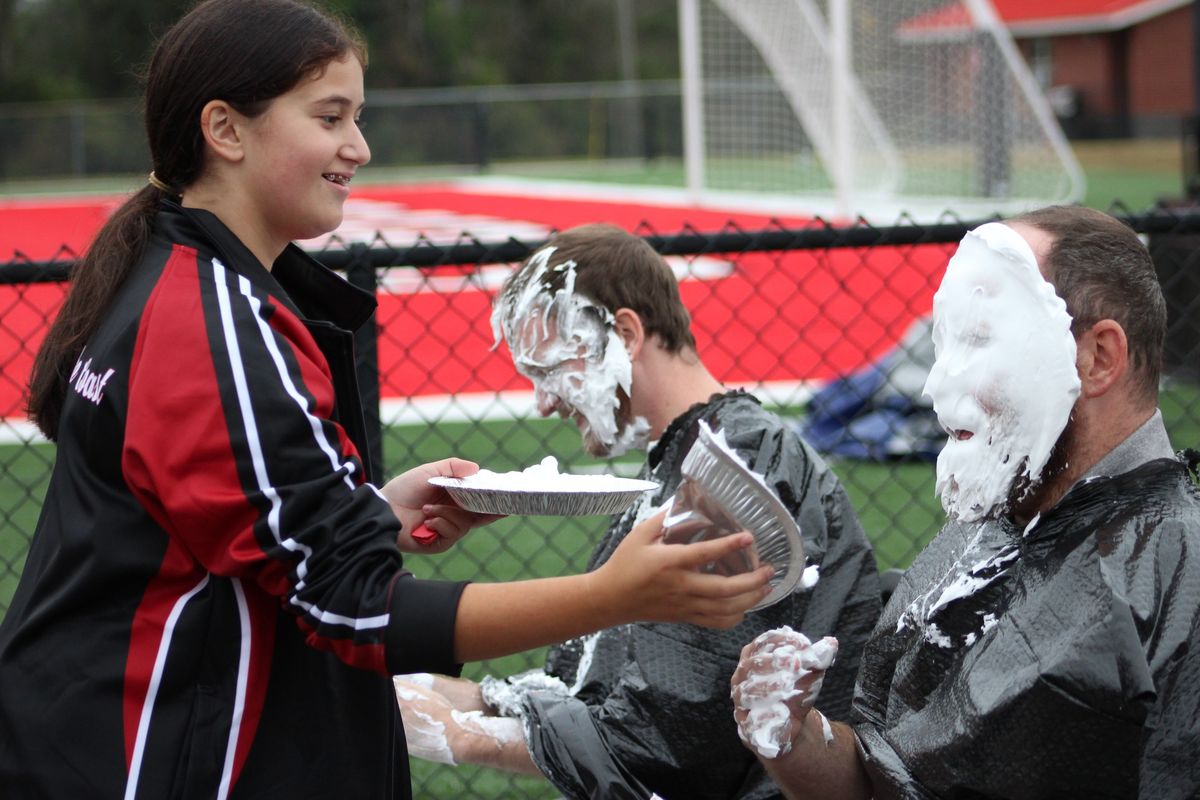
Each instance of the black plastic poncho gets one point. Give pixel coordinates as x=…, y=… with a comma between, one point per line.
x=652, y=710
x=1058, y=661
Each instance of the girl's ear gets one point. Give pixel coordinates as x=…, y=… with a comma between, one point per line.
x=628, y=326
x=221, y=126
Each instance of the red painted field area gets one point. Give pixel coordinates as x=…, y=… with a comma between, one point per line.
x=786, y=317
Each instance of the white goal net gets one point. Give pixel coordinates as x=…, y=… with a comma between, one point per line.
x=871, y=106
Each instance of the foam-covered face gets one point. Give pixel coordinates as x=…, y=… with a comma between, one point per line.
x=568, y=348
x=1004, y=380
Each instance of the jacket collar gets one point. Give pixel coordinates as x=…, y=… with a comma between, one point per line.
x=309, y=288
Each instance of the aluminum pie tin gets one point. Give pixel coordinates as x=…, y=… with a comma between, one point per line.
x=744, y=496
x=616, y=496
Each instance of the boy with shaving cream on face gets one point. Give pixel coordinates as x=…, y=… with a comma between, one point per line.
x=1044, y=644
x=594, y=319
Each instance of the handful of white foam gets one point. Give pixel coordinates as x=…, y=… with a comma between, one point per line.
x=769, y=691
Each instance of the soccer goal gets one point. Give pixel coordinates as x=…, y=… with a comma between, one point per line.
x=867, y=107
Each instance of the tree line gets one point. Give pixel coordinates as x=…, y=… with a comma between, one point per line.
x=95, y=49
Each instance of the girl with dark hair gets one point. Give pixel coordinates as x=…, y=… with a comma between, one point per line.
x=215, y=597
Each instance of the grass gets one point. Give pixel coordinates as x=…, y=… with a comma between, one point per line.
x=1135, y=172
x=895, y=501
x=26, y=471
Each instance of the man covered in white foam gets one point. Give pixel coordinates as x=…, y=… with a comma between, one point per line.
x=1004, y=379
x=572, y=351
x=595, y=321
x=1043, y=644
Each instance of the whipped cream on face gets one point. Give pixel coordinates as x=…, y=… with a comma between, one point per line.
x=1004, y=380
x=544, y=477
x=567, y=347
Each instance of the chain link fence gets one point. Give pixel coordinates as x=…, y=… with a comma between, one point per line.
x=823, y=323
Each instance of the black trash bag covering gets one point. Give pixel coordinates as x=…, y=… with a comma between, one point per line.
x=651, y=711
x=1071, y=670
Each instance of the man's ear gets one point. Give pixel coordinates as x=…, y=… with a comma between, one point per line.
x=628, y=325
x=1102, y=357
x=221, y=127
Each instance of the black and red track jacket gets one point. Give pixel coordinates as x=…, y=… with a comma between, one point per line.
x=213, y=598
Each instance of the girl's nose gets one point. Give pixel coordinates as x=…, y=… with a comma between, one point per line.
x=356, y=149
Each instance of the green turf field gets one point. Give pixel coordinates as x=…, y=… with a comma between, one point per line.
x=895, y=502
x=1130, y=174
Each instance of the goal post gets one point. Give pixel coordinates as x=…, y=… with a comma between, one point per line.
x=869, y=106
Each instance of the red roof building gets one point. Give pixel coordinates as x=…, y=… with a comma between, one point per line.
x=1114, y=67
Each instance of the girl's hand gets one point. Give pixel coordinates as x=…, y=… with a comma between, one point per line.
x=430, y=520
x=648, y=580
